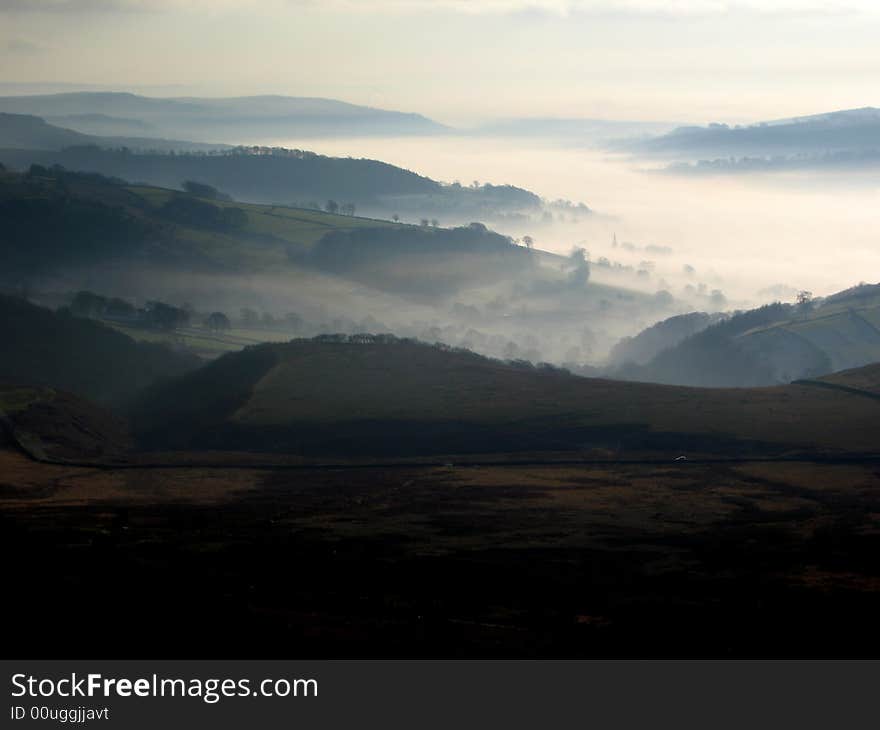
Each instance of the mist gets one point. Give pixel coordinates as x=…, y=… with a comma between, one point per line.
x=750, y=236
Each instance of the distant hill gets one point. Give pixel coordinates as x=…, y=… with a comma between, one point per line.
x=774, y=344
x=851, y=132
x=377, y=396
x=28, y=132
x=258, y=174
x=236, y=120
x=103, y=125
x=269, y=178
x=644, y=346
x=45, y=348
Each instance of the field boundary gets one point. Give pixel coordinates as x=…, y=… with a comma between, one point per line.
x=837, y=386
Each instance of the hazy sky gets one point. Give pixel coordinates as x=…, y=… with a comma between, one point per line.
x=461, y=60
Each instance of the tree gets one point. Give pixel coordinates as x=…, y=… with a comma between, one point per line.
x=580, y=275
x=201, y=190
x=331, y=206
x=348, y=209
x=423, y=222
x=395, y=218
x=217, y=321
x=165, y=316
x=434, y=223
x=804, y=297
x=117, y=307
x=528, y=241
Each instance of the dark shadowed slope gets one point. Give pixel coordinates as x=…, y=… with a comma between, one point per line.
x=777, y=343
x=41, y=347
x=377, y=396
x=49, y=424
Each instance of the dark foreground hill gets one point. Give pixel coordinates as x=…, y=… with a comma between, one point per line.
x=49, y=424
x=368, y=396
x=42, y=347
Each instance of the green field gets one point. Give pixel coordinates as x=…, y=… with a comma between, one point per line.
x=203, y=342
x=271, y=230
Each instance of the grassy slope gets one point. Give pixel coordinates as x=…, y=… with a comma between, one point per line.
x=271, y=230
x=314, y=391
x=866, y=378
x=54, y=424
x=847, y=330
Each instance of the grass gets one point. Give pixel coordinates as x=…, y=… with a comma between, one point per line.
x=850, y=334
x=612, y=561
x=203, y=342
x=15, y=399
x=281, y=226
x=408, y=398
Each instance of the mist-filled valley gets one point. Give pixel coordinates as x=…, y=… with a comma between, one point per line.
x=512, y=362
x=517, y=247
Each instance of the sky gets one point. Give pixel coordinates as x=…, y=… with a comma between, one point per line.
x=462, y=61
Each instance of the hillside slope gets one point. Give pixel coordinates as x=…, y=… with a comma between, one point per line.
x=45, y=348
x=29, y=132
x=366, y=396
x=774, y=344
x=847, y=130
x=230, y=119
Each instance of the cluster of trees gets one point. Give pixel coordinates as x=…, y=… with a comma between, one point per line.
x=192, y=211
x=154, y=314
x=426, y=261
x=331, y=206
x=95, y=306
x=62, y=174
x=394, y=340
x=203, y=190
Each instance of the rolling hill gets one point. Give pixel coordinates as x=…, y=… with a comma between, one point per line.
x=234, y=120
x=50, y=424
x=28, y=132
x=368, y=396
x=773, y=344
x=258, y=174
x=59, y=221
x=834, y=132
